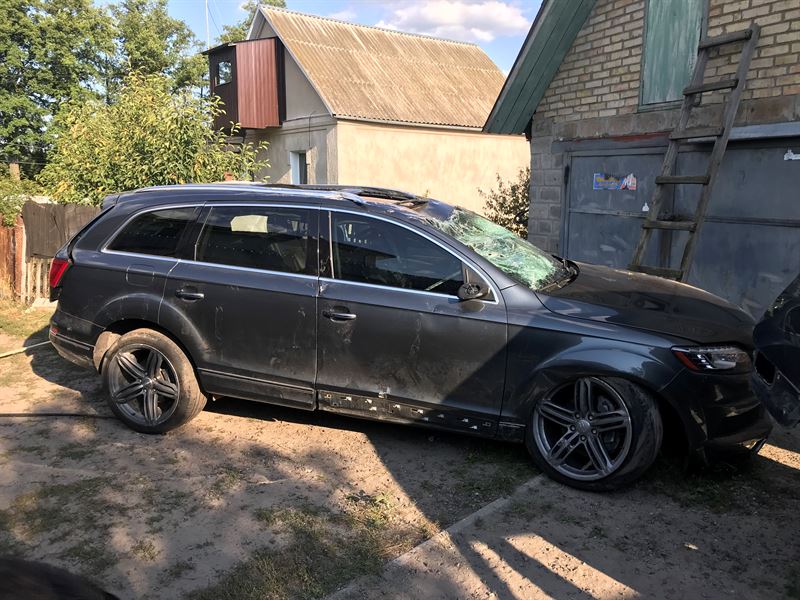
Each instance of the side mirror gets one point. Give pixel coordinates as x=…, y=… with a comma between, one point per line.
x=472, y=291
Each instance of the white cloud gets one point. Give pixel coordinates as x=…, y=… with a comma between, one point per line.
x=466, y=20
x=344, y=15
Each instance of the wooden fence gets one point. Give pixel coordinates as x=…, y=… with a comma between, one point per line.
x=12, y=263
x=27, y=247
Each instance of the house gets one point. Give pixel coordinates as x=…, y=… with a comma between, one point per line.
x=597, y=88
x=350, y=104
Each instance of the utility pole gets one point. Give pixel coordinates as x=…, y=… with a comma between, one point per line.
x=208, y=37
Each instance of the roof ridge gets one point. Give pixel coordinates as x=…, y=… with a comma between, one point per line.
x=384, y=29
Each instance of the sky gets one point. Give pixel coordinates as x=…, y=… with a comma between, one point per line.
x=497, y=26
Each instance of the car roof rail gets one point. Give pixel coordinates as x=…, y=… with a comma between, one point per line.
x=357, y=190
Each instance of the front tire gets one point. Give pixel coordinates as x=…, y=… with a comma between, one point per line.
x=595, y=433
x=150, y=383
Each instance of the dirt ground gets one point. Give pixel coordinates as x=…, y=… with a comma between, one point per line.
x=254, y=501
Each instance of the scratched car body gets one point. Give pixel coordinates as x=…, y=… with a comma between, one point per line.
x=385, y=305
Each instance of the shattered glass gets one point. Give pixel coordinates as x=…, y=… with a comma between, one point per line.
x=511, y=254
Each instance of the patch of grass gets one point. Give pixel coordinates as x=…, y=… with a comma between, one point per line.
x=166, y=500
x=90, y=557
x=75, y=451
x=491, y=469
x=16, y=321
x=598, y=532
x=145, y=550
x=720, y=489
x=370, y=511
x=324, y=551
x=15, y=370
x=227, y=479
x=9, y=545
x=176, y=571
x=39, y=450
x=793, y=584
x=64, y=508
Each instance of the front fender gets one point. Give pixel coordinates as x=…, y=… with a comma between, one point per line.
x=639, y=364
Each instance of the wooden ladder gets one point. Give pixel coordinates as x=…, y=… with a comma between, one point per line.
x=682, y=135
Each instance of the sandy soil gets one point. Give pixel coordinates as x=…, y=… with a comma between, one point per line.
x=162, y=516
x=726, y=535
x=170, y=516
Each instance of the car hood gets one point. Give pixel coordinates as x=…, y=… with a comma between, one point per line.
x=651, y=303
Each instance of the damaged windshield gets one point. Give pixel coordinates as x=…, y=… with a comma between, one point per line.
x=516, y=257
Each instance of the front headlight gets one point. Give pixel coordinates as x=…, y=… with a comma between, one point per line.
x=713, y=358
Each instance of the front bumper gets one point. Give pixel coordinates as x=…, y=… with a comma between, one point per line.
x=776, y=392
x=720, y=413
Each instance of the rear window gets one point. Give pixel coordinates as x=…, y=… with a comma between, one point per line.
x=273, y=239
x=156, y=233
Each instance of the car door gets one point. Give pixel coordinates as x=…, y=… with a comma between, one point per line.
x=134, y=263
x=247, y=293
x=394, y=341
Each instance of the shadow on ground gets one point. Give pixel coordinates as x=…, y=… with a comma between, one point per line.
x=253, y=501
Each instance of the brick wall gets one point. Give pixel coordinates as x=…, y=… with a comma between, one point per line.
x=600, y=75
x=595, y=93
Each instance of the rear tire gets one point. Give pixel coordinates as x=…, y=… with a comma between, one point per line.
x=150, y=383
x=595, y=433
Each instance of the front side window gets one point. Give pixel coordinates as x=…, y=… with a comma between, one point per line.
x=367, y=250
x=156, y=232
x=273, y=239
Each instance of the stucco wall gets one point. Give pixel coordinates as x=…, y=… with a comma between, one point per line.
x=315, y=136
x=444, y=164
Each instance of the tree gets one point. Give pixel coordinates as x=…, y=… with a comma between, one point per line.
x=50, y=52
x=508, y=205
x=148, y=136
x=149, y=41
x=238, y=31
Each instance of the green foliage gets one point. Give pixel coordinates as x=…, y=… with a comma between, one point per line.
x=13, y=195
x=149, y=136
x=50, y=51
x=150, y=41
x=57, y=51
x=237, y=32
x=509, y=202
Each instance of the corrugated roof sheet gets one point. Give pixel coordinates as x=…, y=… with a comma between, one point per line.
x=377, y=74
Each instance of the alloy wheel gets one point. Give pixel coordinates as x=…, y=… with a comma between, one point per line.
x=144, y=385
x=583, y=429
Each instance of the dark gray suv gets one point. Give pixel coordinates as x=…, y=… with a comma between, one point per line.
x=385, y=305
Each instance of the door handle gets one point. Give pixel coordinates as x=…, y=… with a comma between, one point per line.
x=188, y=295
x=338, y=316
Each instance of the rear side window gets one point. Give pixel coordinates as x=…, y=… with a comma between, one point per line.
x=273, y=239
x=367, y=250
x=156, y=232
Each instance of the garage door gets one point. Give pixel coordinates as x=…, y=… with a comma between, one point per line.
x=749, y=248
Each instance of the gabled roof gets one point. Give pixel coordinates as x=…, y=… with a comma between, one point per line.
x=374, y=74
x=550, y=38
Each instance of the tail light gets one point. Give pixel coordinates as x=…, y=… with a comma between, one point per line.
x=58, y=267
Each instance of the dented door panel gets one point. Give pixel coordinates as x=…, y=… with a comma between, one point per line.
x=428, y=352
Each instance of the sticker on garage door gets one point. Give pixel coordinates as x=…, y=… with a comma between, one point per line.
x=604, y=181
